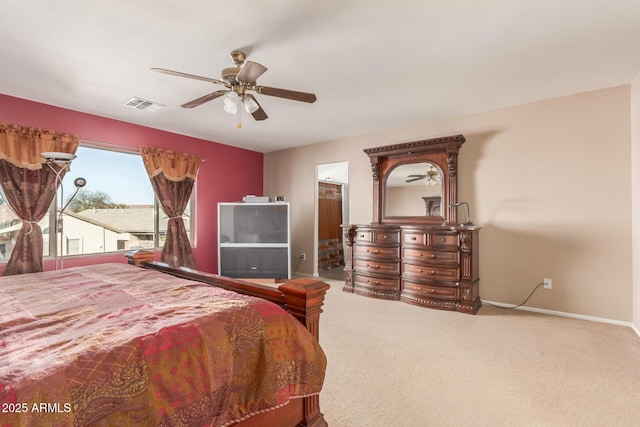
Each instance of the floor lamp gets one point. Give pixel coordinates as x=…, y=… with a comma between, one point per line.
x=63, y=161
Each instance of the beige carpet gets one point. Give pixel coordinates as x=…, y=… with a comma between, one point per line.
x=393, y=364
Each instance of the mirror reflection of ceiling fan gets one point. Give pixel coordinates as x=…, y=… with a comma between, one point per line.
x=238, y=81
x=432, y=177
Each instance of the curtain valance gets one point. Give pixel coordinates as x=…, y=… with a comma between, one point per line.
x=22, y=146
x=173, y=165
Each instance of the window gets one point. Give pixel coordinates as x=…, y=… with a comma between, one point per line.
x=10, y=225
x=73, y=246
x=116, y=209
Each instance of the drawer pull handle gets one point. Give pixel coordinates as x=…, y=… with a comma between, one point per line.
x=362, y=235
x=432, y=272
x=375, y=251
x=442, y=239
x=428, y=290
x=377, y=282
x=413, y=237
x=384, y=236
x=432, y=256
x=373, y=266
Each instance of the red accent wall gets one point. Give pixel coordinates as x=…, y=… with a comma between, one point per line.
x=213, y=185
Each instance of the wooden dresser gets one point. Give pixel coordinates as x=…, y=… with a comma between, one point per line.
x=412, y=252
x=434, y=267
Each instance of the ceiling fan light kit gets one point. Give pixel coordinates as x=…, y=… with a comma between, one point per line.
x=238, y=80
x=231, y=100
x=431, y=177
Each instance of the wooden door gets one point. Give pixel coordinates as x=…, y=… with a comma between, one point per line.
x=330, y=253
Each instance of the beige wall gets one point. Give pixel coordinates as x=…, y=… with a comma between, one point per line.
x=549, y=183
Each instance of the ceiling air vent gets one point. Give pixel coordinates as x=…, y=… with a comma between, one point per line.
x=143, y=104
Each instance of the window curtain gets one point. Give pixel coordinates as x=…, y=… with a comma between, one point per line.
x=172, y=177
x=29, y=186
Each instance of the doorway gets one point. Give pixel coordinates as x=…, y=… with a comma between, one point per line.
x=332, y=198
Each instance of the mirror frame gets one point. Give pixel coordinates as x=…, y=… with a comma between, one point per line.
x=441, y=151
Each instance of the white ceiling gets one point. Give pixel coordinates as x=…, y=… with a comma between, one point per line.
x=373, y=65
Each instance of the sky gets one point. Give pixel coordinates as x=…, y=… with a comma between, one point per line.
x=121, y=175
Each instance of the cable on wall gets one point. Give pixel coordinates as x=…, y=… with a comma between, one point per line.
x=519, y=305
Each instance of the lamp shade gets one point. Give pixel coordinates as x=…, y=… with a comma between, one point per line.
x=58, y=157
x=231, y=102
x=250, y=104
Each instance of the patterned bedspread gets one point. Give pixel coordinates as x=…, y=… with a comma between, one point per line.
x=114, y=344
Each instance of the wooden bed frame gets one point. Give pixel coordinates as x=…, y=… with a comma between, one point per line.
x=303, y=298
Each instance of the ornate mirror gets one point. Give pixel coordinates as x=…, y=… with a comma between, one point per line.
x=414, y=189
x=416, y=182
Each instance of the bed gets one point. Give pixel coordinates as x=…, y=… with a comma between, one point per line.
x=146, y=344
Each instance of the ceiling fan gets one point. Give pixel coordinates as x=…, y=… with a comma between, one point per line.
x=238, y=81
x=432, y=177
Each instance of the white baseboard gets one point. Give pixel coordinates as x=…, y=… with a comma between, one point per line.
x=571, y=315
x=635, y=329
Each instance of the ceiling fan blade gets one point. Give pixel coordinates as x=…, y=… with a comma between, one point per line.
x=259, y=114
x=250, y=72
x=288, y=94
x=189, y=76
x=204, y=99
x=414, y=179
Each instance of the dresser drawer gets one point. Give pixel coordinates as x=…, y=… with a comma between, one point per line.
x=451, y=274
x=439, y=292
x=414, y=238
x=383, y=236
x=382, y=252
x=375, y=266
x=437, y=239
x=441, y=239
x=377, y=283
x=431, y=257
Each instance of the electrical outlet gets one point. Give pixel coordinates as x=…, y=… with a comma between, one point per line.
x=303, y=256
x=548, y=283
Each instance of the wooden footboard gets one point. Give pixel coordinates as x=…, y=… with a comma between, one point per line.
x=303, y=298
